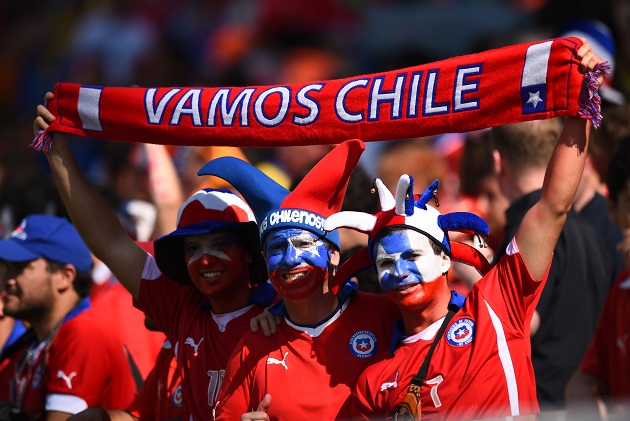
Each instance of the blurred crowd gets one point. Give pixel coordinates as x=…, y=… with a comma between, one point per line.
x=262, y=42
x=235, y=43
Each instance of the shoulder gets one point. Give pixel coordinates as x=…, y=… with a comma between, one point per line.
x=86, y=329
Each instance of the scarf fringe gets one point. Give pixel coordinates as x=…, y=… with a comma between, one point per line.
x=42, y=142
x=590, y=100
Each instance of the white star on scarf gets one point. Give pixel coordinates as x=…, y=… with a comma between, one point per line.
x=534, y=98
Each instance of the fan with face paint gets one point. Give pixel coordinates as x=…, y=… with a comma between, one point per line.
x=299, y=254
x=410, y=267
x=408, y=241
x=297, y=262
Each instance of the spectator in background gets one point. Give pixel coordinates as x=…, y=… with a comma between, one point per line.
x=602, y=383
x=478, y=182
x=415, y=157
x=581, y=271
x=75, y=360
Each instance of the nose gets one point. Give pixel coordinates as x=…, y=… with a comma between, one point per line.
x=401, y=269
x=207, y=258
x=291, y=256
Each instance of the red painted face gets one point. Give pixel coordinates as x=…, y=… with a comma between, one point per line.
x=298, y=262
x=217, y=263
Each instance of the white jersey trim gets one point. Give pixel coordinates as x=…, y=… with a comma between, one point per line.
x=426, y=334
x=151, y=270
x=69, y=404
x=223, y=319
x=506, y=360
x=314, y=332
x=512, y=248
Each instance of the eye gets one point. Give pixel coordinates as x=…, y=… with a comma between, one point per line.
x=191, y=248
x=276, y=247
x=383, y=263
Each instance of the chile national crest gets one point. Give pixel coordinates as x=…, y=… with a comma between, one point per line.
x=363, y=344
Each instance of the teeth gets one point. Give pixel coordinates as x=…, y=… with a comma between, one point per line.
x=210, y=274
x=405, y=287
x=293, y=276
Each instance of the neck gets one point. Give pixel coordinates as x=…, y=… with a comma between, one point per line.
x=313, y=309
x=416, y=320
x=235, y=300
x=45, y=324
x=527, y=181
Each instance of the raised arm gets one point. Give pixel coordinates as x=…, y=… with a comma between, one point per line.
x=96, y=222
x=165, y=188
x=540, y=229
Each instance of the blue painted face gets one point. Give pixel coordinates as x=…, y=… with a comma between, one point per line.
x=297, y=262
x=406, y=258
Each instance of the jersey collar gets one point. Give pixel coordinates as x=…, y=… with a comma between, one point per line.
x=346, y=291
x=398, y=333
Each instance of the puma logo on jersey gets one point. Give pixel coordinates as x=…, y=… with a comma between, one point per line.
x=282, y=362
x=190, y=341
x=388, y=385
x=67, y=379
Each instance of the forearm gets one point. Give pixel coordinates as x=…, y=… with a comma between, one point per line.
x=566, y=165
x=541, y=227
x=96, y=222
x=165, y=188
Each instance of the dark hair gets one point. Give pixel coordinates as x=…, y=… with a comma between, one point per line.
x=367, y=279
x=619, y=169
x=476, y=163
x=82, y=283
x=251, y=243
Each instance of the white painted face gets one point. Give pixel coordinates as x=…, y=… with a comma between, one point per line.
x=406, y=258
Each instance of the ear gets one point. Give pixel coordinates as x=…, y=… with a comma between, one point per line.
x=445, y=262
x=335, y=257
x=496, y=159
x=64, y=277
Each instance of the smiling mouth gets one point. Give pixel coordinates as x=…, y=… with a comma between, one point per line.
x=405, y=287
x=294, y=275
x=211, y=275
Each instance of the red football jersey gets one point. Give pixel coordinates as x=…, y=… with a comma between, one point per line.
x=607, y=356
x=115, y=303
x=85, y=365
x=161, y=395
x=203, y=340
x=309, y=371
x=482, y=365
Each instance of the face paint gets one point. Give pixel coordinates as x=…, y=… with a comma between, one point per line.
x=195, y=251
x=405, y=258
x=298, y=262
x=217, y=263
